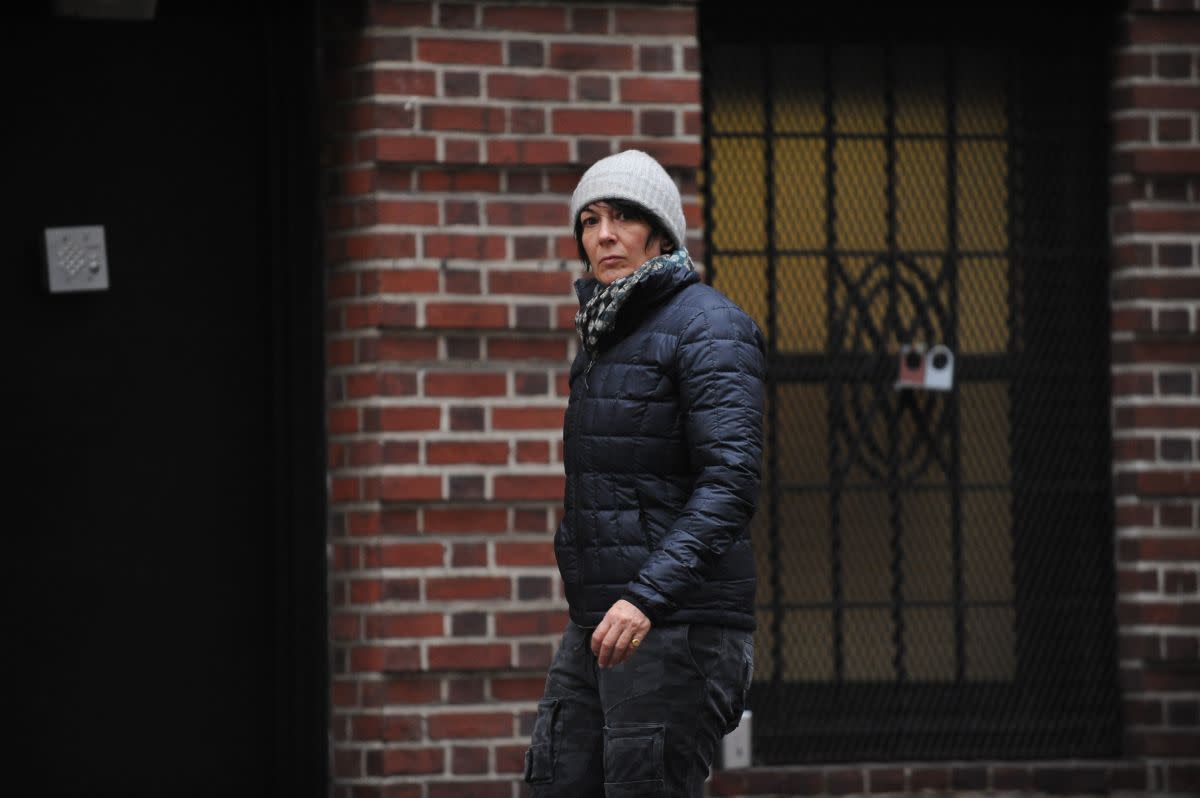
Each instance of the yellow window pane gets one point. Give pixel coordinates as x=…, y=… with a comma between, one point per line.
x=982, y=195
x=799, y=173
x=808, y=655
x=991, y=643
x=868, y=655
x=801, y=307
x=984, y=433
x=804, y=548
x=987, y=545
x=929, y=643
x=928, y=563
x=803, y=434
x=866, y=553
x=983, y=305
x=738, y=173
x=921, y=194
x=744, y=280
x=861, y=194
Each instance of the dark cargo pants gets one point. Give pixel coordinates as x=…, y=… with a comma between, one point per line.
x=648, y=727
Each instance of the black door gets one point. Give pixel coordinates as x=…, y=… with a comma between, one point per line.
x=166, y=589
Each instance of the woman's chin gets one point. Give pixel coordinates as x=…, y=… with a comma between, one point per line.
x=610, y=276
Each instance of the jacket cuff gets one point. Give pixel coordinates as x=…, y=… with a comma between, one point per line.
x=655, y=614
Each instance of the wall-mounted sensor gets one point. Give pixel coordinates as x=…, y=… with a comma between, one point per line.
x=939, y=368
x=932, y=370
x=76, y=259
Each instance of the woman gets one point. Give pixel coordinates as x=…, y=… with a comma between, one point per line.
x=663, y=440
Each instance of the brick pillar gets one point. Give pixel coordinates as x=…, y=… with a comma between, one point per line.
x=1156, y=385
x=454, y=134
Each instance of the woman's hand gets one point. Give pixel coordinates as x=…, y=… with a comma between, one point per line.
x=613, y=642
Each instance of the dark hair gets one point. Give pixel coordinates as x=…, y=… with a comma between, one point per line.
x=634, y=211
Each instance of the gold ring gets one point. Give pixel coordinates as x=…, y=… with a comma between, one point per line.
x=636, y=642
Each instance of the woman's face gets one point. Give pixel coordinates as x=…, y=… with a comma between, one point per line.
x=615, y=244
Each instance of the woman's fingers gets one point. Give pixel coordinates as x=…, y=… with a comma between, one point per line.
x=612, y=642
x=624, y=648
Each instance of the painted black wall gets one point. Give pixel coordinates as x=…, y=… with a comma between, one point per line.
x=166, y=594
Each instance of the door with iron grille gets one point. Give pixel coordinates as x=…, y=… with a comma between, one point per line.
x=934, y=548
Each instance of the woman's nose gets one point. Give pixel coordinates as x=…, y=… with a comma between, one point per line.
x=606, y=230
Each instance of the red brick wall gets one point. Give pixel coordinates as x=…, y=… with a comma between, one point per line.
x=455, y=133
x=1156, y=385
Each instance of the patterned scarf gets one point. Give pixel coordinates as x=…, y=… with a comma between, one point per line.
x=598, y=317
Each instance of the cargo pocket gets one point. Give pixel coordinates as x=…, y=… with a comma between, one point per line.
x=543, y=750
x=633, y=761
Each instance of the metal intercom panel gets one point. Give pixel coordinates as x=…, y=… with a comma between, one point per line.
x=76, y=259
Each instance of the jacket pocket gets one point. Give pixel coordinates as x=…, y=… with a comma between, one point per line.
x=543, y=751
x=633, y=761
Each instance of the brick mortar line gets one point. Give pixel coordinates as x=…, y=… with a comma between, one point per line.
x=1156, y=81
x=1163, y=204
x=584, y=38
x=1161, y=599
x=1152, y=565
x=465, y=229
x=1138, y=434
x=543, y=265
x=1157, y=48
x=1140, y=401
x=426, y=261
x=1142, y=302
x=540, y=401
x=1133, y=500
x=1152, y=368
x=498, y=195
x=463, y=469
x=522, y=70
x=468, y=299
x=510, y=103
x=1128, y=273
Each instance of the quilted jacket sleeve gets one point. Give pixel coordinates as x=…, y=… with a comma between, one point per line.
x=721, y=367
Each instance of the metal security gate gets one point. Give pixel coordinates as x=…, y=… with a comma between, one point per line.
x=917, y=223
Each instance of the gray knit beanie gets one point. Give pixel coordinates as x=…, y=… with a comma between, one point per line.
x=635, y=176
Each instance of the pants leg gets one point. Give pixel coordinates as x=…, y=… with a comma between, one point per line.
x=566, y=757
x=667, y=708
x=645, y=729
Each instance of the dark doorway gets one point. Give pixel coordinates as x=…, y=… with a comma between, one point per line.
x=166, y=588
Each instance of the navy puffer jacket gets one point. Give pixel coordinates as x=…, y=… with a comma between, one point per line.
x=663, y=446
